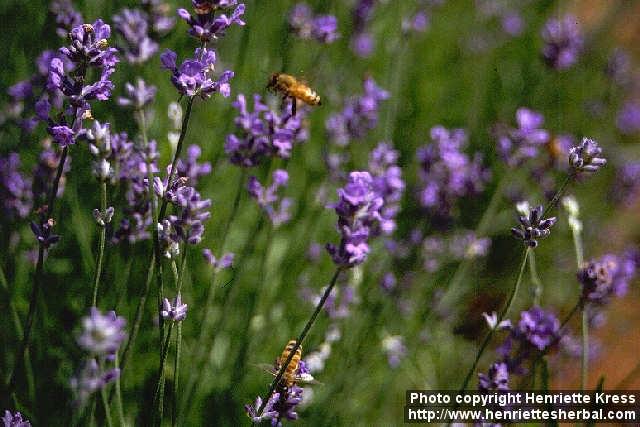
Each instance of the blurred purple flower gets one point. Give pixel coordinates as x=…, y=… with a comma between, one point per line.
x=276, y=208
x=102, y=334
x=67, y=17
x=628, y=120
x=138, y=96
x=496, y=379
x=90, y=379
x=563, y=42
x=15, y=188
x=517, y=145
x=606, y=277
x=303, y=23
x=358, y=117
x=447, y=173
x=133, y=26
x=226, y=261
x=387, y=181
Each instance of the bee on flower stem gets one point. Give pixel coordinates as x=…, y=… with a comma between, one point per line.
x=290, y=87
x=292, y=374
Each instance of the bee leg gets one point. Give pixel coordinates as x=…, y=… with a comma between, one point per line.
x=294, y=106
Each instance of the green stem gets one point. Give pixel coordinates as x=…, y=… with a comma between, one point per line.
x=176, y=376
x=300, y=339
x=535, y=279
x=138, y=316
x=119, y=395
x=585, y=348
x=559, y=193
x=158, y=397
x=103, y=236
x=107, y=408
x=501, y=316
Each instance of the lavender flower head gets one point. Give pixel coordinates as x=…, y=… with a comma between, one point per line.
x=89, y=45
x=628, y=120
x=277, y=208
x=358, y=117
x=537, y=327
x=447, y=173
x=14, y=420
x=563, y=42
x=321, y=28
x=224, y=262
x=606, y=277
x=268, y=413
x=90, y=379
x=133, y=26
x=263, y=133
x=586, y=156
x=358, y=210
x=102, y=334
x=533, y=227
x=175, y=312
x=205, y=25
x=194, y=77
x=67, y=17
x=192, y=211
x=627, y=188
x=496, y=379
x=138, y=96
x=394, y=348
x=15, y=188
x=44, y=233
x=516, y=145
x=388, y=182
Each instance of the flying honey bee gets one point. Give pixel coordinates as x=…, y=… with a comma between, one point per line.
x=291, y=375
x=290, y=87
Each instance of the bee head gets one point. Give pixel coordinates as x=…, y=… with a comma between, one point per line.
x=273, y=80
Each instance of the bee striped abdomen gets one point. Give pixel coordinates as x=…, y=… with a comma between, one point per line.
x=289, y=376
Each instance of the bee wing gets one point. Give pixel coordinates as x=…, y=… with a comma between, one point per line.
x=267, y=368
x=307, y=379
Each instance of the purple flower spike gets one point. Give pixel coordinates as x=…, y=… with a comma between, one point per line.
x=277, y=208
x=133, y=26
x=497, y=379
x=447, y=173
x=15, y=188
x=321, y=28
x=585, y=157
x=14, y=420
x=44, y=233
x=194, y=76
x=609, y=276
x=522, y=143
x=358, y=117
x=205, y=25
x=102, y=334
x=138, y=96
x=538, y=327
x=533, y=227
x=268, y=413
x=563, y=42
x=358, y=210
x=226, y=261
x=176, y=312
x=263, y=133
